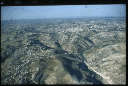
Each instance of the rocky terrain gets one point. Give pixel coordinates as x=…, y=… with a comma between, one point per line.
x=64, y=51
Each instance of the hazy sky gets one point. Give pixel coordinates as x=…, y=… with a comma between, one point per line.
x=62, y=11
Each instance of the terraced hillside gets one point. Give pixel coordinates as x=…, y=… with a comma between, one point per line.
x=64, y=51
